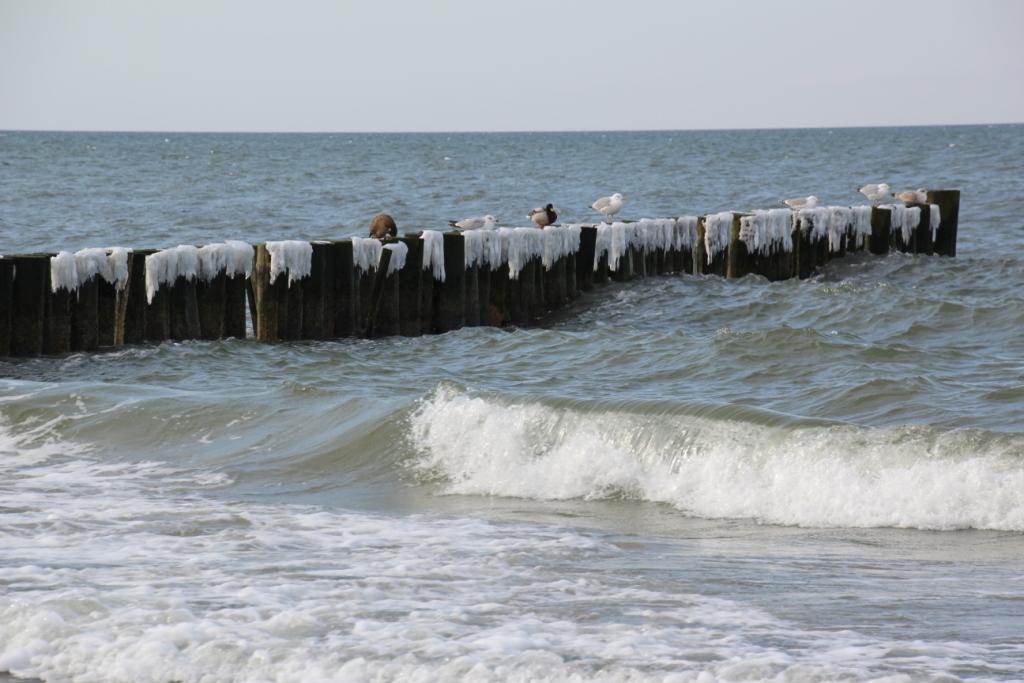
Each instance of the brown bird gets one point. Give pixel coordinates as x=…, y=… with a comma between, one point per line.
x=543, y=217
x=383, y=226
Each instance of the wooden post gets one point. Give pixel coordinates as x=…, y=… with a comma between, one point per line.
x=85, y=323
x=525, y=291
x=484, y=288
x=328, y=287
x=472, y=301
x=106, y=312
x=265, y=323
x=184, y=309
x=554, y=285
x=949, y=218
x=57, y=329
x=923, y=233
x=366, y=280
x=881, y=229
x=498, y=296
x=428, y=296
x=382, y=319
x=739, y=261
x=346, y=292
x=698, y=257
x=133, y=320
x=600, y=276
x=409, y=277
x=571, y=278
x=6, y=286
x=538, y=303
x=806, y=252
x=292, y=293
x=28, y=298
x=234, y=306
x=211, y=299
x=585, y=258
x=313, y=294
x=450, y=310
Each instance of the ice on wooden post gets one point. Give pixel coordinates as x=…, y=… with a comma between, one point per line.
x=409, y=280
x=717, y=233
x=220, y=288
x=450, y=308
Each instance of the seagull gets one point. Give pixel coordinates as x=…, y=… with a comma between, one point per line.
x=918, y=196
x=876, y=192
x=383, y=226
x=609, y=206
x=487, y=222
x=543, y=217
x=801, y=203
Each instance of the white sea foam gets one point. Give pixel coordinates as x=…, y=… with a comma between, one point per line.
x=294, y=257
x=166, y=266
x=433, y=253
x=125, y=571
x=821, y=476
x=399, y=252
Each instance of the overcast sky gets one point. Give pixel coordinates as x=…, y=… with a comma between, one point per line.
x=452, y=65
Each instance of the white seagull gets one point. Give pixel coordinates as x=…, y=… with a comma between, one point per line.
x=487, y=222
x=876, y=192
x=918, y=196
x=609, y=206
x=801, y=203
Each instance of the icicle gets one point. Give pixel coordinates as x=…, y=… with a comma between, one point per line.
x=63, y=272
x=232, y=258
x=862, y=223
x=840, y=220
x=475, y=242
x=685, y=233
x=619, y=244
x=433, y=253
x=523, y=244
x=398, y=253
x=292, y=256
x=558, y=242
x=117, y=260
x=911, y=219
x=167, y=265
x=716, y=233
x=934, y=218
x=366, y=253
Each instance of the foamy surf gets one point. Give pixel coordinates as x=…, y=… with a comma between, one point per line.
x=127, y=572
x=821, y=476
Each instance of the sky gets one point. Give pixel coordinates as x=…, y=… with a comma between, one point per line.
x=479, y=65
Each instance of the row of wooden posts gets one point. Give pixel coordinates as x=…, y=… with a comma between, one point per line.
x=340, y=299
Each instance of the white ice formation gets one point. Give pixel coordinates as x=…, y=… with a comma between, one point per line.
x=433, y=253
x=166, y=266
x=399, y=252
x=71, y=271
x=294, y=257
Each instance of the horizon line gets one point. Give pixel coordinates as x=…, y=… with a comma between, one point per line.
x=510, y=131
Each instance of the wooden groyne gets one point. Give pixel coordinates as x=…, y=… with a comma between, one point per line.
x=425, y=282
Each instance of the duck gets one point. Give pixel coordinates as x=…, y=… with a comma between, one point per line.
x=543, y=217
x=918, y=196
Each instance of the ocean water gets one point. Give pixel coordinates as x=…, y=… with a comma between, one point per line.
x=678, y=479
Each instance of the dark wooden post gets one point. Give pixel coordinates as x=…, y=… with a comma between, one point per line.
x=106, y=312
x=6, y=287
x=366, y=279
x=949, y=218
x=409, y=293
x=133, y=323
x=234, y=306
x=538, y=304
x=383, y=316
x=498, y=310
x=184, y=309
x=346, y=292
x=28, y=297
x=923, y=233
x=472, y=301
x=806, y=250
x=571, y=277
x=313, y=288
x=57, y=330
x=328, y=256
x=211, y=299
x=484, y=287
x=451, y=296
x=881, y=231
x=585, y=258
x=85, y=322
x=739, y=261
x=554, y=285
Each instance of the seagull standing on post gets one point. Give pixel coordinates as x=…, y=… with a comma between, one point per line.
x=876, y=192
x=487, y=222
x=543, y=216
x=801, y=203
x=609, y=206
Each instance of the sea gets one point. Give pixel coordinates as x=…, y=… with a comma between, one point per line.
x=681, y=478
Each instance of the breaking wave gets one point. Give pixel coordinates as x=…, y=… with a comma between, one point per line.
x=722, y=464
